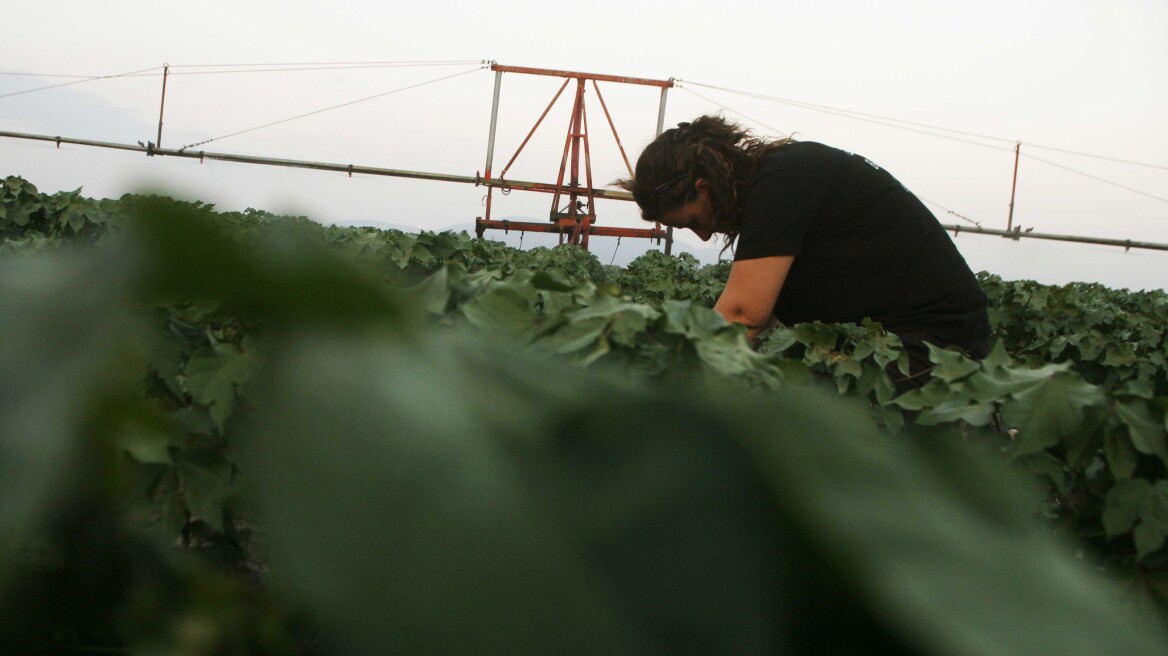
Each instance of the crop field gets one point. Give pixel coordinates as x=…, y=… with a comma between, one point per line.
x=241, y=433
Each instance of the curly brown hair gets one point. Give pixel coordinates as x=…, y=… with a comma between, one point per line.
x=710, y=147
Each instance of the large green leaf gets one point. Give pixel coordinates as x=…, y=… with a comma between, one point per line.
x=975, y=414
x=1049, y=410
x=1152, y=530
x=1122, y=507
x=286, y=275
x=547, y=531
x=950, y=366
x=816, y=334
x=505, y=308
x=206, y=484
x=929, y=395
x=689, y=320
x=578, y=335
x=607, y=518
x=1119, y=354
x=213, y=375
x=1147, y=432
x=938, y=541
x=1089, y=423
x=1121, y=455
x=60, y=333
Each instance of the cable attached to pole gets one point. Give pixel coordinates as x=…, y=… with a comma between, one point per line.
x=88, y=79
x=327, y=109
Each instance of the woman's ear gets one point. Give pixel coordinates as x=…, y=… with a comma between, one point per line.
x=701, y=184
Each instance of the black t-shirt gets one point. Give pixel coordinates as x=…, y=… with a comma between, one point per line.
x=864, y=246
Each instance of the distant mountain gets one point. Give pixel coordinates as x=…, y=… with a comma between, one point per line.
x=380, y=225
x=606, y=249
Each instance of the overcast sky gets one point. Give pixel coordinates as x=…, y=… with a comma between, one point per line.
x=936, y=94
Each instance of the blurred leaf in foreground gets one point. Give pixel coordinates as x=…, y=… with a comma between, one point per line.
x=55, y=351
x=594, y=516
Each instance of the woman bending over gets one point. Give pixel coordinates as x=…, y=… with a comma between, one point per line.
x=820, y=234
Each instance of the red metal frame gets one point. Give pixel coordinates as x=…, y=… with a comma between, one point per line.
x=574, y=221
x=593, y=229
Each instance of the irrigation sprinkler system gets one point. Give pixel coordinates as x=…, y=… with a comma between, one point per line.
x=573, y=213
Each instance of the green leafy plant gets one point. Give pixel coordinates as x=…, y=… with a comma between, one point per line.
x=218, y=428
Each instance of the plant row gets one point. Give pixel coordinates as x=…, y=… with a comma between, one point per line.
x=228, y=367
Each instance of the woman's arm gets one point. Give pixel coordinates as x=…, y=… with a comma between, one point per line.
x=751, y=291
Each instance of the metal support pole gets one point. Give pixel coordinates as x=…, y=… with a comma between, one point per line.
x=1013, y=186
x=491, y=140
x=162, y=106
x=476, y=180
x=661, y=110
x=612, y=126
x=577, y=132
x=586, y=222
x=660, y=129
x=494, y=124
x=574, y=134
x=535, y=127
x=569, y=142
x=1016, y=235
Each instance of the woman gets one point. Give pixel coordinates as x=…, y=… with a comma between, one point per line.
x=822, y=234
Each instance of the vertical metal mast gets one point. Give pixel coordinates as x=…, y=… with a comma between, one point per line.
x=162, y=107
x=491, y=139
x=660, y=129
x=661, y=110
x=1013, y=187
x=572, y=222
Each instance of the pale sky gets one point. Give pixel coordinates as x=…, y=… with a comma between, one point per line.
x=1083, y=76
